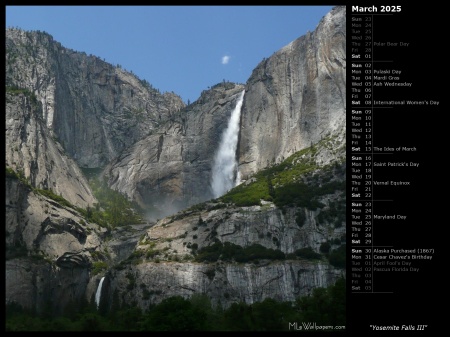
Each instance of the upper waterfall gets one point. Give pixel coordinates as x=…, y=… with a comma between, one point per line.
x=224, y=171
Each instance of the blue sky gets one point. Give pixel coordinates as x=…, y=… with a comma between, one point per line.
x=184, y=49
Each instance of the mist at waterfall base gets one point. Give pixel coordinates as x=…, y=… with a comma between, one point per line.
x=224, y=170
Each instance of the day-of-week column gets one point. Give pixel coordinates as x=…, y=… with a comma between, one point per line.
x=361, y=153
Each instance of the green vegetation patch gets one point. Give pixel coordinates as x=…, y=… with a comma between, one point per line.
x=98, y=267
x=15, y=90
x=337, y=257
x=231, y=252
x=114, y=208
x=50, y=194
x=286, y=185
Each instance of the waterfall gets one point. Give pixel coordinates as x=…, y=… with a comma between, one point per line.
x=99, y=292
x=225, y=164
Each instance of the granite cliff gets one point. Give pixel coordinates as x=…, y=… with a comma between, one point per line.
x=293, y=99
x=67, y=112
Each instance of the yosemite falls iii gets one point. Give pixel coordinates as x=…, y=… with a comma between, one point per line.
x=225, y=163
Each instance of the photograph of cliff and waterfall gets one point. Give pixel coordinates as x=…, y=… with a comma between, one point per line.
x=175, y=168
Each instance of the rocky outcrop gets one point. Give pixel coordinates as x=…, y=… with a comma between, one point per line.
x=292, y=100
x=52, y=251
x=39, y=285
x=165, y=261
x=266, y=225
x=296, y=96
x=48, y=249
x=122, y=241
x=95, y=109
x=31, y=151
x=171, y=169
x=223, y=283
x=48, y=245
x=163, y=266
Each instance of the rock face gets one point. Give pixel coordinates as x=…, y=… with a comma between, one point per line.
x=223, y=283
x=296, y=96
x=31, y=150
x=95, y=109
x=163, y=263
x=292, y=100
x=48, y=249
x=171, y=169
x=38, y=285
x=66, y=110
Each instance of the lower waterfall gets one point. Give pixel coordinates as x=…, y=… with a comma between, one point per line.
x=99, y=292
